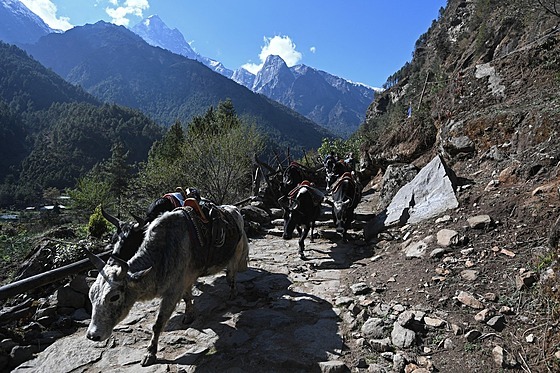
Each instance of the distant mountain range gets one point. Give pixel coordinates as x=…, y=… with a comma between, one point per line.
x=117, y=66
x=19, y=24
x=332, y=102
x=156, y=33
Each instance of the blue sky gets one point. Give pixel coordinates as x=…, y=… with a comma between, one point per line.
x=363, y=41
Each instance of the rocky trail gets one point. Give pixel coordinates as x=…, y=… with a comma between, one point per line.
x=460, y=292
x=284, y=318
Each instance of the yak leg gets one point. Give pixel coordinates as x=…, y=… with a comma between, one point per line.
x=230, y=278
x=301, y=242
x=188, y=316
x=166, y=308
x=238, y=263
x=312, y=228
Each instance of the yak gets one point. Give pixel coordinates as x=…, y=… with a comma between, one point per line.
x=129, y=235
x=177, y=249
x=334, y=169
x=346, y=194
x=292, y=176
x=302, y=207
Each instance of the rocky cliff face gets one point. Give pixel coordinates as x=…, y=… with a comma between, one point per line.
x=328, y=100
x=483, y=84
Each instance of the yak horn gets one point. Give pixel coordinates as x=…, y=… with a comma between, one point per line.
x=116, y=222
x=97, y=261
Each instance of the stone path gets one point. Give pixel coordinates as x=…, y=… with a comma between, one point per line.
x=283, y=319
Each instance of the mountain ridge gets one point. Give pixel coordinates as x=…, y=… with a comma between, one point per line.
x=116, y=65
x=19, y=24
x=333, y=111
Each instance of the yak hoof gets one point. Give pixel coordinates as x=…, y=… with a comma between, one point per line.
x=148, y=359
x=287, y=236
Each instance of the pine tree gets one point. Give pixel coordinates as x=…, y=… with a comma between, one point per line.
x=117, y=172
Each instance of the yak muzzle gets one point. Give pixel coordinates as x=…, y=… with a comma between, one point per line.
x=93, y=337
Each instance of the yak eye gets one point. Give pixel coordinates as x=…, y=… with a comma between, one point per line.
x=114, y=298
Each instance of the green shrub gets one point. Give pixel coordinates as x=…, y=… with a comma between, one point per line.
x=97, y=225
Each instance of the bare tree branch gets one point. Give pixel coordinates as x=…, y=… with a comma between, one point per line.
x=551, y=6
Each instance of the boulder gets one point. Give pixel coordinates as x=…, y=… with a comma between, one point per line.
x=428, y=195
x=394, y=178
x=256, y=214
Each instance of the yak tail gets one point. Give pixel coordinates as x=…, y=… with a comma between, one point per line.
x=243, y=249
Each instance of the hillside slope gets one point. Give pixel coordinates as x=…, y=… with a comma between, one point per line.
x=482, y=92
x=487, y=70
x=53, y=132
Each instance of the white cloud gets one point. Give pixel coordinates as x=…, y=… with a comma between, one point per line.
x=120, y=13
x=313, y=50
x=47, y=11
x=281, y=46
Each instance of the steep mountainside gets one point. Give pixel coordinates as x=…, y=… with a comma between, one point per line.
x=482, y=92
x=333, y=102
x=483, y=80
x=26, y=86
x=118, y=66
x=20, y=25
x=19, y=73
x=52, y=132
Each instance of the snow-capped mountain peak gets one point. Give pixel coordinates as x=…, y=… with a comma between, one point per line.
x=19, y=24
x=155, y=32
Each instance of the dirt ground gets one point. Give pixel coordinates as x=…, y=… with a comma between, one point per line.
x=516, y=241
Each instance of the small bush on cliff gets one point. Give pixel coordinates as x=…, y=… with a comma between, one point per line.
x=97, y=225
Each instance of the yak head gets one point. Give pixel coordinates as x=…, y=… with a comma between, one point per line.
x=292, y=176
x=128, y=237
x=112, y=295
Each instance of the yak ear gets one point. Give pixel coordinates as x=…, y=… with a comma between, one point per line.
x=140, y=221
x=136, y=276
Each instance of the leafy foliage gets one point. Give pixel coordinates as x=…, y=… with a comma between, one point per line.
x=90, y=191
x=215, y=156
x=15, y=244
x=340, y=147
x=78, y=136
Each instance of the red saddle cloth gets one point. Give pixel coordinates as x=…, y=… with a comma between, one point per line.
x=316, y=194
x=191, y=202
x=344, y=176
